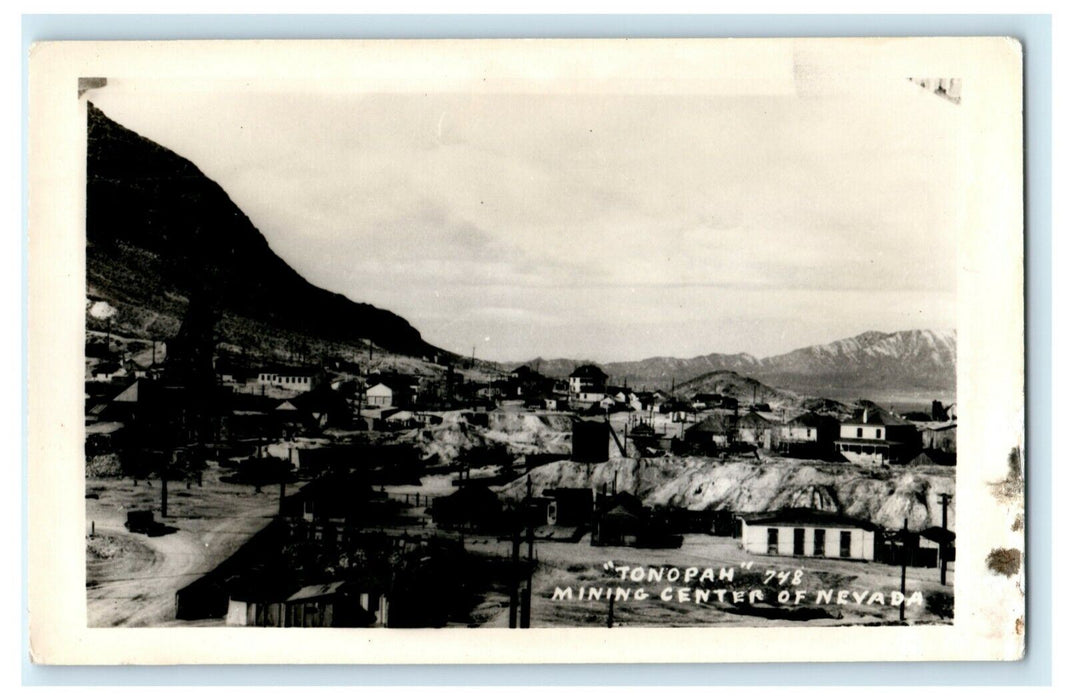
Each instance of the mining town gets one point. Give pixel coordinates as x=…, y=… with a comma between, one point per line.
x=414, y=492
x=264, y=452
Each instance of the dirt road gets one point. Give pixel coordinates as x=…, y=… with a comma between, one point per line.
x=131, y=578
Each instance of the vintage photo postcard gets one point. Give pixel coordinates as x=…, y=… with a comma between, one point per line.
x=526, y=351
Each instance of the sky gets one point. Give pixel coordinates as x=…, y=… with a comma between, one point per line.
x=608, y=226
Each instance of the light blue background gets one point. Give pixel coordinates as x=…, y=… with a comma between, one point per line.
x=1034, y=31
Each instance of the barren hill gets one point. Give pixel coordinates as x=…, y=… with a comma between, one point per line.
x=744, y=389
x=884, y=497
x=160, y=232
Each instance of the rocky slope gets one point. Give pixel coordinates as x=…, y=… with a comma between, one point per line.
x=884, y=497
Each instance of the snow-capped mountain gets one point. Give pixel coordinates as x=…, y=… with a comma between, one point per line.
x=873, y=362
x=915, y=359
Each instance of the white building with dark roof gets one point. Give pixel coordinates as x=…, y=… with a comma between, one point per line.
x=806, y=532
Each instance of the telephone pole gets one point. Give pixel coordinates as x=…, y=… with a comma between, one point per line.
x=903, y=573
x=512, y=615
x=944, y=500
x=527, y=594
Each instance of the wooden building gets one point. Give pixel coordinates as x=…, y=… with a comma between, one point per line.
x=810, y=435
x=800, y=532
x=875, y=437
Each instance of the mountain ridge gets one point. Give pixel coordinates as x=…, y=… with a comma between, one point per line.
x=916, y=359
x=159, y=232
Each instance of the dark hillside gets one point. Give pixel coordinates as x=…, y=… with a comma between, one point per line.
x=158, y=231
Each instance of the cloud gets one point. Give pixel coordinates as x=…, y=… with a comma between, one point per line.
x=604, y=226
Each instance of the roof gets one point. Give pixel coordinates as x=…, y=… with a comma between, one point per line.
x=811, y=420
x=718, y=424
x=289, y=371
x=753, y=420
x=622, y=512
x=131, y=394
x=809, y=516
x=938, y=534
x=590, y=371
x=875, y=416
x=317, y=591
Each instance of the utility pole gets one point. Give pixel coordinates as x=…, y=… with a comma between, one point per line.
x=527, y=594
x=163, y=492
x=944, y=500
x=903, y=573
x=512, y=615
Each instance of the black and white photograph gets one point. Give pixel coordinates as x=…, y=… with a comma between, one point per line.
x=557, y=350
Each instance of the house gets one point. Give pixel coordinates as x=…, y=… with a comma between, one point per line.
x=940, y=539
x=473, y=507
x=703, y=401
x=940, y=437
x=109, y=371
x=874, y=436
x=711, y=520
x=569, y=507
x=556, y=403
x=711, y=434
x=334, y=604
x=641, y=400
x=528, y=383
x=291, y=379
x=520, y=373
x=588, y=385
x=801, y=532
x=337, y=604
x=621, y=520
x=383, y=395
x=754, y=429
x=810, y=435
x=321, y=407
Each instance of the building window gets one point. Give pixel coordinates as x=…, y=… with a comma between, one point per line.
x=819, y=543
x=797, y=541
x=858, y=432
x=771, y=540
x=845, y=544
x=877, y=433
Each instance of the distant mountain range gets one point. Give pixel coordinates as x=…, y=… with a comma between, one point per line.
x=160, y=232
x=877, y=363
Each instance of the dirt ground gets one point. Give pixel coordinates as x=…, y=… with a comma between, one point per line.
x=131, y=578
